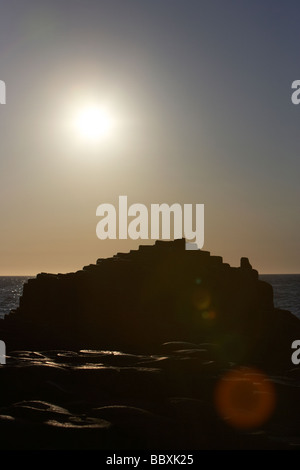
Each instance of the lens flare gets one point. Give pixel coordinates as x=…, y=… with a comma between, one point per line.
x=208, y=315
x=245, y=398
x=201, y=298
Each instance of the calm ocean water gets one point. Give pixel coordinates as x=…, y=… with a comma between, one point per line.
x=11, y=288
x=286, y=291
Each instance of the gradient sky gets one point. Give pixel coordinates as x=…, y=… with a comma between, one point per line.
x=201, y=92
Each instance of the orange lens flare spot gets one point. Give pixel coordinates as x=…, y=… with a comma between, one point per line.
x=245, y=398
x=208, y=315
x=201, y=299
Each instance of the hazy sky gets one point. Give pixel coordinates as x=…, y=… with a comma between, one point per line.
x=200, y=94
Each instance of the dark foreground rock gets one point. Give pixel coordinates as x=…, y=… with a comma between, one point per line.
x=205, y=361
x=113, y=400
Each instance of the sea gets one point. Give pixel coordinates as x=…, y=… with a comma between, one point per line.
x=11, y=288
x=286, y=288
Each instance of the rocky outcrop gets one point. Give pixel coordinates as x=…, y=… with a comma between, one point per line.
x=138, y=300
x=110, y=400
x=159, y=348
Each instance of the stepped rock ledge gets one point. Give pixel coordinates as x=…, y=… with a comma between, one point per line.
x=159, y=293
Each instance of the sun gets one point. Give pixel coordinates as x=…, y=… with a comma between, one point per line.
x=93, y=122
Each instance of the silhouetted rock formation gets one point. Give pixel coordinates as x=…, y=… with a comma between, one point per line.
x=138, y=300
x=129, y=353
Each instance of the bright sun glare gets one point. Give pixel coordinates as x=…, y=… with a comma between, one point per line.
x=93, y=122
